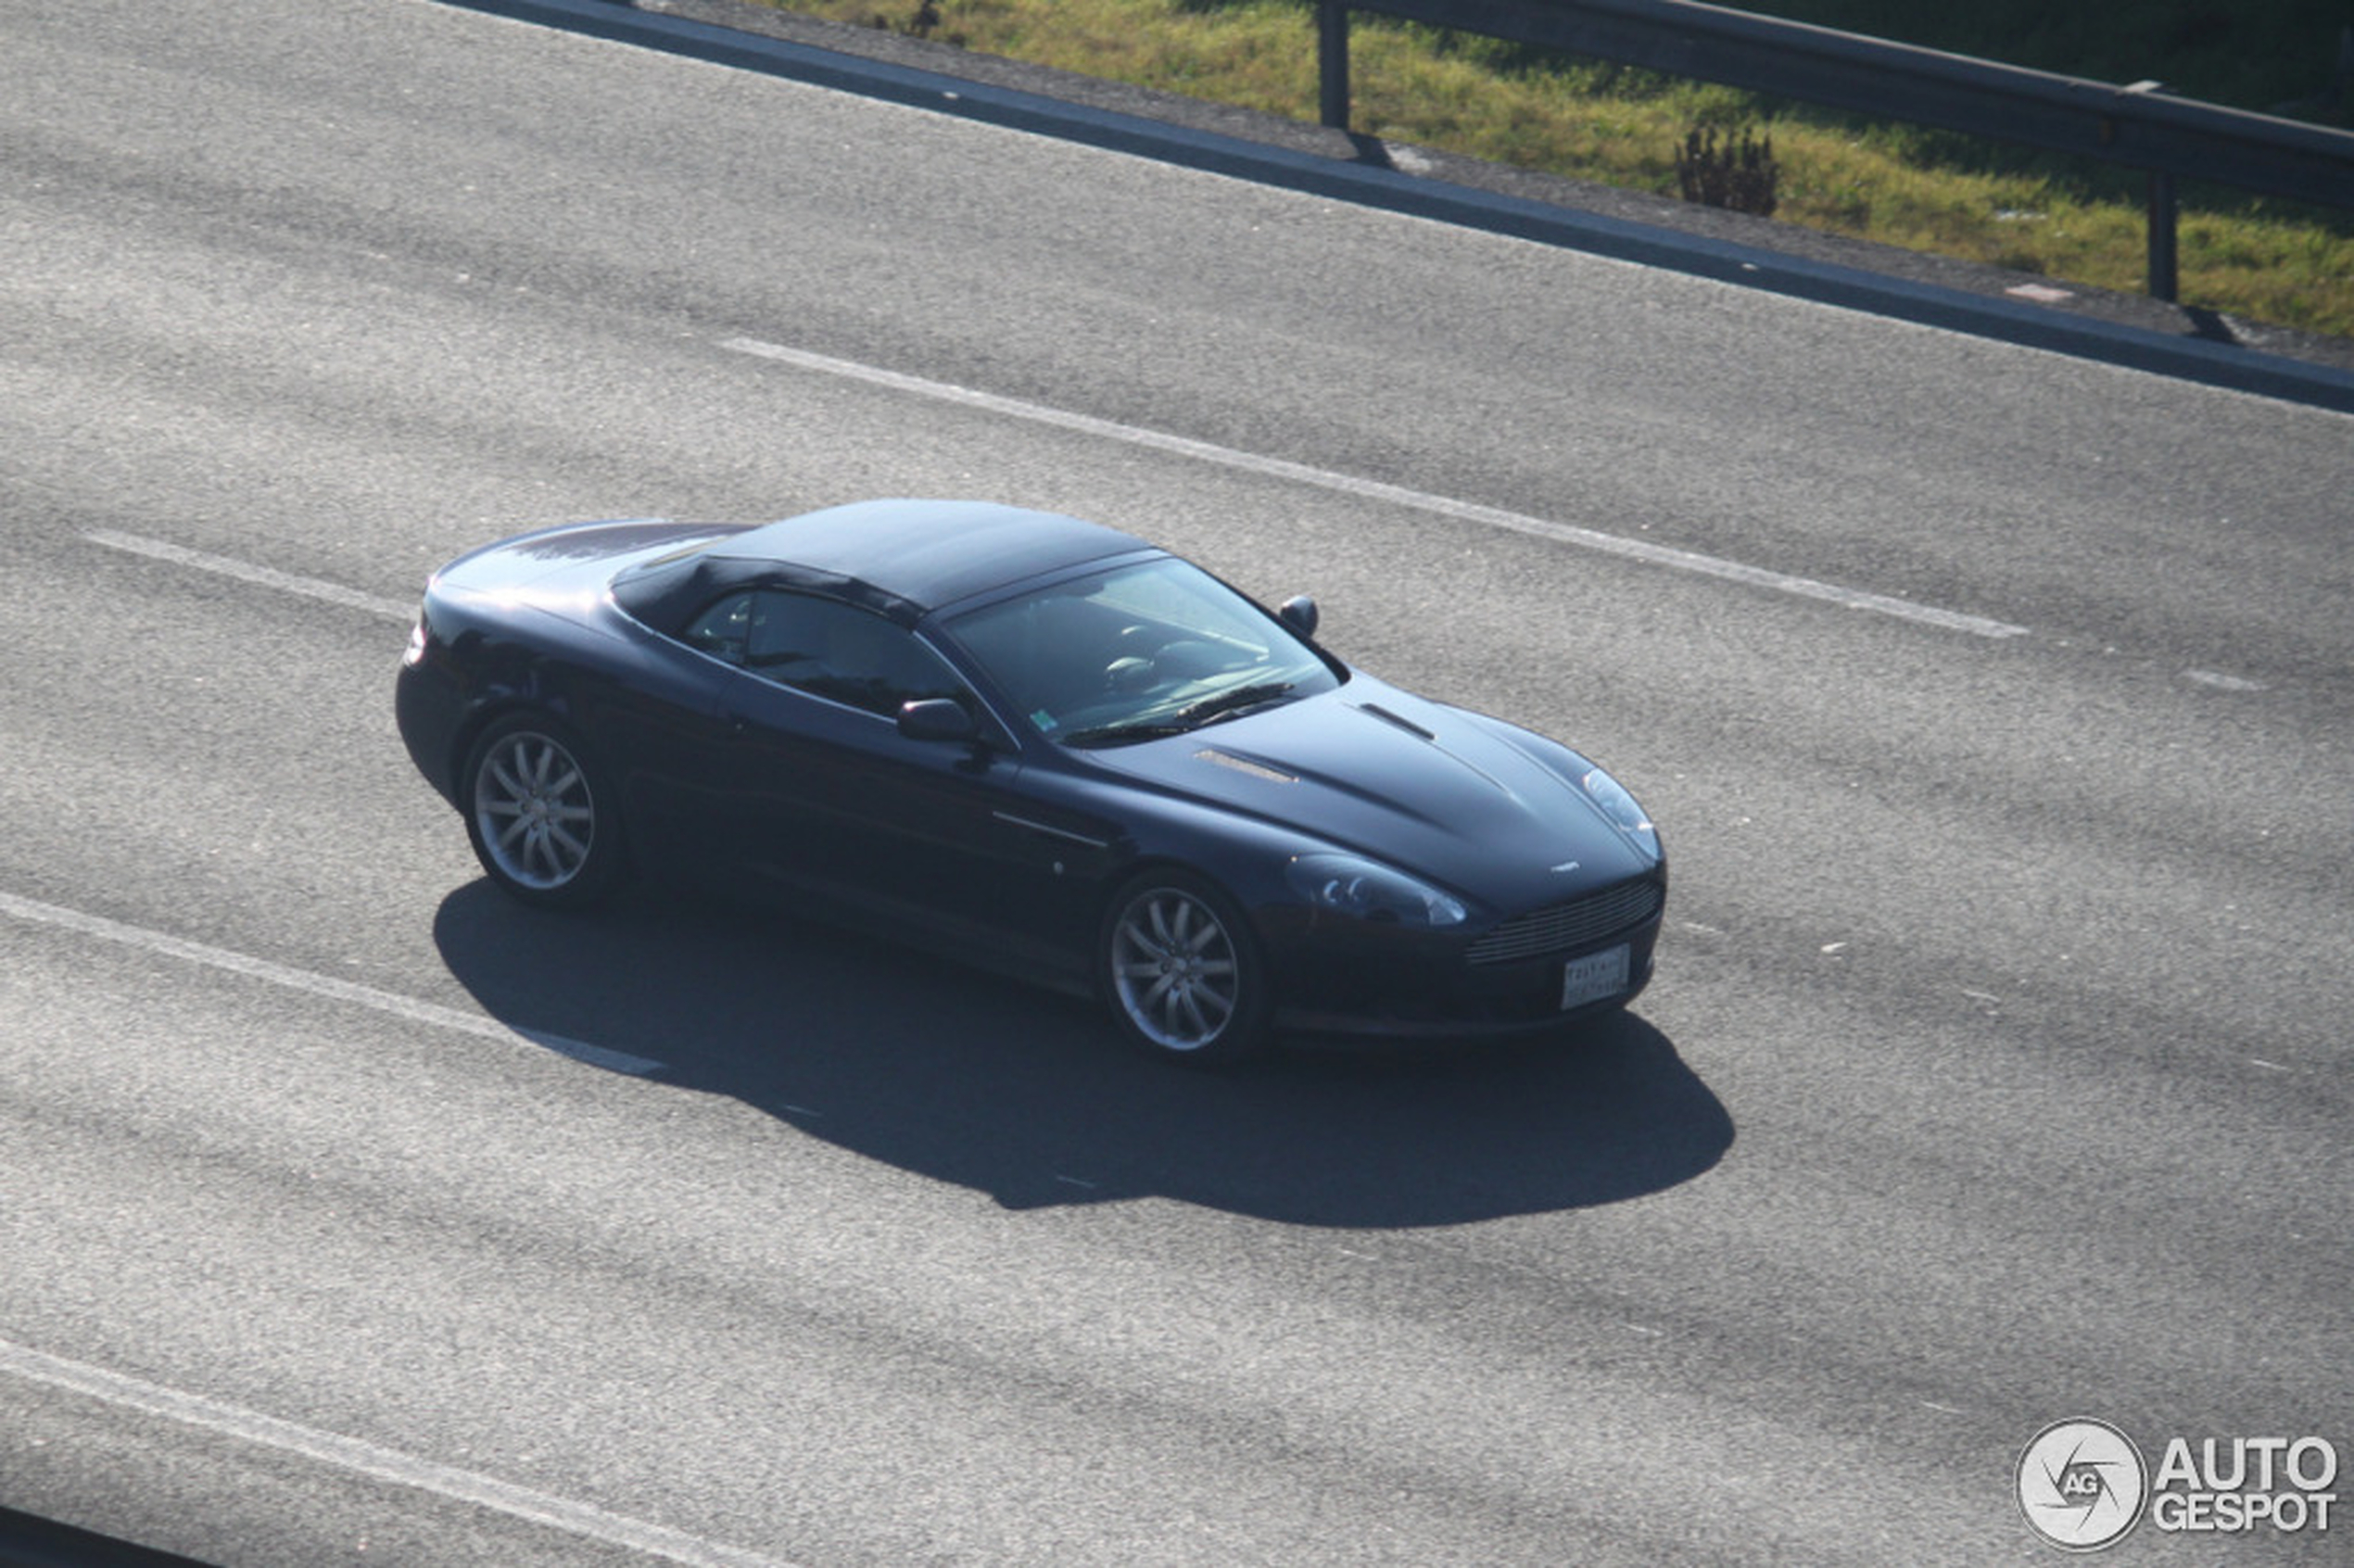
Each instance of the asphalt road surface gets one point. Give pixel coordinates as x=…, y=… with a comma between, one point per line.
x=1994, y=705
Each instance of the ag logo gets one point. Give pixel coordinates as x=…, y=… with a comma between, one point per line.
x=2081, y=1485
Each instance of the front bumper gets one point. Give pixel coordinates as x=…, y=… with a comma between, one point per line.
x=1361, y=977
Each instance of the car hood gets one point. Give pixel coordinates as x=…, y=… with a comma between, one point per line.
x=1423, y=787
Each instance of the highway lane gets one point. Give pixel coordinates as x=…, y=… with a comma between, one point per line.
x=1987, y=477
x=1993, y=1077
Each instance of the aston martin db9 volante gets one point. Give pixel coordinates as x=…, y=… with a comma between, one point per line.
x=1031, y=741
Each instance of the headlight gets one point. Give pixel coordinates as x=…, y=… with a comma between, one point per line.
x=1620, y=807
x=1370, y=891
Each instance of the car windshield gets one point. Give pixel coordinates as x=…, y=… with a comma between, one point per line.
x=1135, y=652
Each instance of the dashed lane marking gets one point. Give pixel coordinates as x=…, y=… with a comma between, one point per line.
x=1393, y=494
x=246, y=571
x=386, y=1002
x=371, y=1459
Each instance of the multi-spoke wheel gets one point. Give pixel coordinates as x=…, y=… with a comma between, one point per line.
x=541, y=823
x=1179, y=967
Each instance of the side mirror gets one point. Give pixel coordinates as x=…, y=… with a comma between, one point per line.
x=937, y=718
x=1299, y=613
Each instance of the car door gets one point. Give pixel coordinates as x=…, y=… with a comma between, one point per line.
x=833, y=804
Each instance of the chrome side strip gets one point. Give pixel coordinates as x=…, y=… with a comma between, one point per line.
x=1051, y=832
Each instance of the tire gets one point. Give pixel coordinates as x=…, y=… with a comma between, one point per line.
x=541, y=818
x=1180, y=971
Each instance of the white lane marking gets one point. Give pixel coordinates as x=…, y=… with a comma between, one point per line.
x=2222, y=682
x=319, y=986
x=1371, y=490
x=369, y=1460
x=246, y=571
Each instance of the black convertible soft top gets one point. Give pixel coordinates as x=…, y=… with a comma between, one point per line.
x=902, y=559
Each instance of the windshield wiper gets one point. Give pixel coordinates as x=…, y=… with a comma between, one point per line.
x=1191, y=716
x=1111, y=734
x=1226, y=704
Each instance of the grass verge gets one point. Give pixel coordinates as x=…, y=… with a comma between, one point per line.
x=2254, y=258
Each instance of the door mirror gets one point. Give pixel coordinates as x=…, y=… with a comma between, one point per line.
x=937, y=718
x=1299, y=613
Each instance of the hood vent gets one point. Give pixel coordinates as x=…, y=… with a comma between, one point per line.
x=1244, y=764
x=1409, y=726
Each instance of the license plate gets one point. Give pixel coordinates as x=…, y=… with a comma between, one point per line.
x=1593, y=977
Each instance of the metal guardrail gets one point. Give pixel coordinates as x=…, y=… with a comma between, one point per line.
x=2138, y=126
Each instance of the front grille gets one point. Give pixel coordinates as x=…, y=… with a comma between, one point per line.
x=1560, y=927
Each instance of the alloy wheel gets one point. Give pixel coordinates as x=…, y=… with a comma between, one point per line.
x=536, y=814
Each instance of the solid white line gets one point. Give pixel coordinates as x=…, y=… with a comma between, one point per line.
x=318, y=985
x=1393, y=494
x=369, y=1460
x=245, y=571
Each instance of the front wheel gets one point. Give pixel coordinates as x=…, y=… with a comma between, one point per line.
x=540, y=817
x=1181, y=970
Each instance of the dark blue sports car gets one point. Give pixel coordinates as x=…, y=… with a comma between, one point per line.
x=1032, y=742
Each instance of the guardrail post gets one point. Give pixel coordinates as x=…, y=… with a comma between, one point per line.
x=1332, y=63
x=2161, y=215
x=2162, y=279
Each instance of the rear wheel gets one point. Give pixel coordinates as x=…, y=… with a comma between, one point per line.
x=1178, y=965
x=540, y=817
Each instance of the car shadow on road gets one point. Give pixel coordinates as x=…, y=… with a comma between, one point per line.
x=962, y=1077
